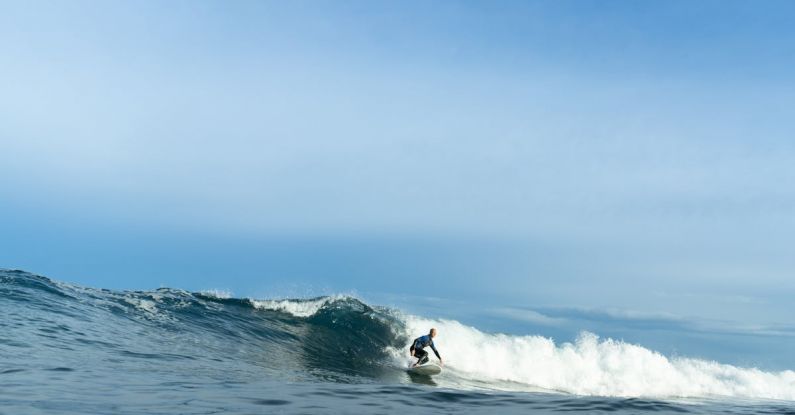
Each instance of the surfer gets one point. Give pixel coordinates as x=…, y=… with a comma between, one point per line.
x=421, y=343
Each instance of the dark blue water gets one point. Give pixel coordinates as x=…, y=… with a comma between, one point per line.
x=70, y=349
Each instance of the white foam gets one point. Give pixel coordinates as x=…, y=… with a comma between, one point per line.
x=143, y=305
x=298, y=308
x=591, y=366
x=219, y=294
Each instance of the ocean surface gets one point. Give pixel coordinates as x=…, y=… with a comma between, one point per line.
x=66, y=349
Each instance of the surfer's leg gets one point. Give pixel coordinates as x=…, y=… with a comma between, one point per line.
x=422, y=355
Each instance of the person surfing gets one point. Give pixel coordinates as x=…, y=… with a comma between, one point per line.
x=418, y=346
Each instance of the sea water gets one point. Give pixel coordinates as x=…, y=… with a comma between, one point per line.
x=77, y=350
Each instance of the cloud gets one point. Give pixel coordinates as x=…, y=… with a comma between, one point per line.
x=527, y=315
x=229, y=137
x=584, y=317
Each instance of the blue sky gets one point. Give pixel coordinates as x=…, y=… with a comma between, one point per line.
x=634, y=155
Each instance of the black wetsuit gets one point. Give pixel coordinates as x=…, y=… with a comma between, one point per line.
x=419, y=344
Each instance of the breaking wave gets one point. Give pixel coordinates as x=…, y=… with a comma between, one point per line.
x=340, y=339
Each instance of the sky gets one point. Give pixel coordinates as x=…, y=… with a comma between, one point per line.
x=616, y=155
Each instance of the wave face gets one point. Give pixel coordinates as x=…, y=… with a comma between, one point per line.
x=177, y=334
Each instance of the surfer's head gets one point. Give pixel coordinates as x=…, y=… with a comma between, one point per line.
x=433, y=333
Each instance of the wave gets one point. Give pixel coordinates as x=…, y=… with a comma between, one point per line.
x=343, y=339
x=597, y=367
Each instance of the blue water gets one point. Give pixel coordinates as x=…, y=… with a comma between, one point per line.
x=71, y=349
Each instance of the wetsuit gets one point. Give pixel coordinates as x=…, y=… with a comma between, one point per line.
x=419, y=344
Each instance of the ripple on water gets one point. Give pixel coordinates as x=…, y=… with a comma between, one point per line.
x=271, y=402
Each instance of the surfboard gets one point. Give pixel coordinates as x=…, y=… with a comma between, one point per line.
x=426, y=369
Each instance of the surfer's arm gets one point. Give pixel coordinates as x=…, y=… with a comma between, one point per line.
x=436, y=352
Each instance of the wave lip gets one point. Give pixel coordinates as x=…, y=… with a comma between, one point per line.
x=297, y=308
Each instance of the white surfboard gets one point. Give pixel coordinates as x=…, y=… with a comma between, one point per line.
x=426, y=369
